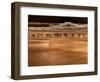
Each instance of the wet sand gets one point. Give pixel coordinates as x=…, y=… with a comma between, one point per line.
x=57, y=52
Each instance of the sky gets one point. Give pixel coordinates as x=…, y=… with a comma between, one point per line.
x=56, y=19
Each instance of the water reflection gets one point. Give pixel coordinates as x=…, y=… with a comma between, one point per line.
x=57, y=52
